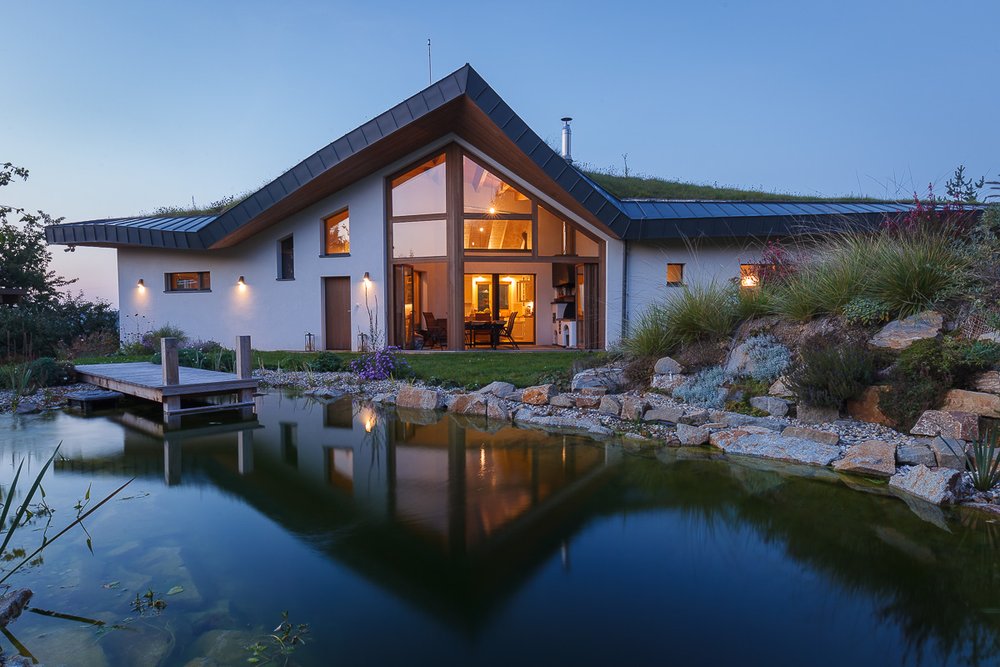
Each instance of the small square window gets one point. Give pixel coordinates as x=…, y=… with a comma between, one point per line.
x=675, y=275
x=194, y=281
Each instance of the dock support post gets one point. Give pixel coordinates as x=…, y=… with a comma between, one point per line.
x=244, y=451
x=171, y=375
x=243, y=372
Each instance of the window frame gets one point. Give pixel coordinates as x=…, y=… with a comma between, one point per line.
x=391, y=218
x=325, y=232
x=675, y=283
x=204, y=277
x=281, y=258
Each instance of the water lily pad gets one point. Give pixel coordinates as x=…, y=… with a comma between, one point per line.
x=175, y=590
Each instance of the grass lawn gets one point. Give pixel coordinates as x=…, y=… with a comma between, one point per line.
x=463, y=369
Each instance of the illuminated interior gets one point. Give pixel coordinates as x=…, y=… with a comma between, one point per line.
x=495, y=296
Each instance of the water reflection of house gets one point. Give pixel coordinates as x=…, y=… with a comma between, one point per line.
x=447, y=513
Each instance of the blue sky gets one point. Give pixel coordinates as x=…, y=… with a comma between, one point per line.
x=120, y=107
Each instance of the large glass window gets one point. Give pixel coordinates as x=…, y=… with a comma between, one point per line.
x=337, y=234
x=286, y=259
x=485, y=234
x=422, y=238
x=488, y=194
x=192, y=281
x=421, y=190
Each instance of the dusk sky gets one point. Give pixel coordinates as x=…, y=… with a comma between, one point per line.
x=120, y=107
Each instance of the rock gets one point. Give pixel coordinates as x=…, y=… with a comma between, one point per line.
x=384, y=399
x=724, y=439
x=667, y=383
x=667, y=366
x=667, y=414
x=12, y=604
x=145, y=645
x=572, y=422
x=866, y=408
x=814, y=434
x=770, y=445
x=588, y=402
x=419, y=398
x=776, y=407
x=71, y=646
x=498, y=389
x=480, y=404
x=736, y=419
x=610, y=406
x=976, y=402
x=937, y=486
x=916, y=454
x=633, y=408
x=224, y=647
x=417, y=416
x=959, y=425
x=900, y=334
x=694, y=416
x=739, y=361
x=516, y=395
x=872, y=457
x=539, y=394
x=608, y=377
x=593, y=391
x=562, y=401
x=15, y=661
x=987, y=381
x=780, y=389
x=692, y=435
x=25, y=408
x=814, y=415
x=948, y=452
x=991, y=336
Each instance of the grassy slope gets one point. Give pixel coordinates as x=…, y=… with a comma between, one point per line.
x=466, y=369
x=645, y=187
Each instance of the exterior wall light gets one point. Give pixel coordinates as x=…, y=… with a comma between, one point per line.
x=141, y=286
x=368, y=279
x=241, y=282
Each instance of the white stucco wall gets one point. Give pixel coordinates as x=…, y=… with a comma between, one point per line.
x=704, y=262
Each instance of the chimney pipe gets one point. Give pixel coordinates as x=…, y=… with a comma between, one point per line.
x=567, y=138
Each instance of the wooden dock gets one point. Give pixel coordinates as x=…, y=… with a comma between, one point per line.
x=169, y=383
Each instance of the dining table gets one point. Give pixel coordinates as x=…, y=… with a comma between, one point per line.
x=494, y=327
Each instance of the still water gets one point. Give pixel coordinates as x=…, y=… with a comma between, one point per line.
x=404, y=540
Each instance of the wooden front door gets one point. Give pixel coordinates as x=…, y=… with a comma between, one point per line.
x=337, y=295
x=588, y=334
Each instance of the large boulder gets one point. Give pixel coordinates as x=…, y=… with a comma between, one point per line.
x=692, y=435
x=866, y=408
x=937, y=486
x=776, y=407
x=539, y=394
x=667, y=366
x=810, y=414
x=562, y=422
x=915, y=454
x=781, y=389
x=724, y=439
x=633, y=408
x=987, y=381
x=670, y=414
x=900, y=334
x=610, y=405
x=607, y=377
x=774, y=446
x=739, y=362
x=585, y=402
x=562, y=401
x=872, y=457
x=480, y=404
x=976, y=402
x=949, y=424
x=814, y=434
x=948, y=452
x=498, y=389
x=419, y=398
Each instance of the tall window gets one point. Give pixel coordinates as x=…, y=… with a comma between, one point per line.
x=337, y=234
x=418, y=206
x=675, y=275
x=191, y=281
x=497, y=216
x=286, y=259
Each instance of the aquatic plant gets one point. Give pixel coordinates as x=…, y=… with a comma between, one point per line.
x=275, y=647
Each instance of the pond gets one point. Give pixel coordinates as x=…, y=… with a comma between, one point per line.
x=403, y=539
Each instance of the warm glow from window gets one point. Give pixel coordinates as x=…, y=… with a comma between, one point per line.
x=494, y=234
x=487, y=193
x=675, y=275
x=188, y=282
x=338, y=233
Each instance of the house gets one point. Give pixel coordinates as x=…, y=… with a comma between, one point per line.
x=441, y=220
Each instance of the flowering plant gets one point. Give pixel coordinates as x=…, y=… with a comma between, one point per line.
x=933, y=214
x=381, y=364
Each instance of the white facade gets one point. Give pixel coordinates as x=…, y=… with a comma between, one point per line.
x=278, y=314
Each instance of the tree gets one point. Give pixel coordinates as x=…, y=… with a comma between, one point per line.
x=962, y=189
x=24, y=257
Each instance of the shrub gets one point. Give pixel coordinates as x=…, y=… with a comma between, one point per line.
x=866, y=311
x=326, y=362
x=151, y=340
x=705, y=388
x=701, y=354
x=47, y=372
x=701, y=312
x=94, y=344
x=983, y=461
x=917, y=382
x=649, y=336
x=753, y=302
x=829, y=372
x=913, y=273
x=381, y=364
x=638, y=371
x=769, y=357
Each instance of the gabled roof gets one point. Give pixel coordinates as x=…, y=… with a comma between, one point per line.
x=465, y=104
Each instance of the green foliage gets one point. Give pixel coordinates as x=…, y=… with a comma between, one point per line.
x=690, y=314
x=962, y=189
x=983, y=461
x=917, y=382
x=866, y=311
x=913, y=273
x=743, y=407
x=769, y=357
x=274, y=648
x=47, y=372
x=326, y=362
x=829, y=372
